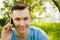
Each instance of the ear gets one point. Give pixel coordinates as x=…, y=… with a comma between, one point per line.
x=27, y=6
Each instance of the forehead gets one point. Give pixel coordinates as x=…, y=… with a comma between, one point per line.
x=21, y=13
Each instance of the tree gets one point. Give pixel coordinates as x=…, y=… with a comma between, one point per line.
x=35, y=6
x=57, y=3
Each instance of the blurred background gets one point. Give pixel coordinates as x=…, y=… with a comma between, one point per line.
x=45, y=15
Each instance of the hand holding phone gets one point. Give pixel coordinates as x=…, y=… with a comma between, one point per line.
x=6, y=32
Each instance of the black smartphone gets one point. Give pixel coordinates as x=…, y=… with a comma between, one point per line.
x=11, y=20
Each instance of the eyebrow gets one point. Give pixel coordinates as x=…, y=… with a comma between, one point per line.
x=21, y=18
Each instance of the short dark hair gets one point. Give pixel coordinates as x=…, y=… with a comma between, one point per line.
x=19, y=6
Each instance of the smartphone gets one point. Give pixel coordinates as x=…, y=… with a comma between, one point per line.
x=11, y=20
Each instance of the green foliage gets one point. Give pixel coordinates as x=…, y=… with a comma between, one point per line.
x=0, y=30
x=52, y=29
x=35, y=6
x=58, y=1
x=2, y=22
x=32, y=4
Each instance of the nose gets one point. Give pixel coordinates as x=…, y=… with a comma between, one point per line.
x=22, y=23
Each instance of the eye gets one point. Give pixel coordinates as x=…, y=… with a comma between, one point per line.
x=26, y=18
x=17, y=19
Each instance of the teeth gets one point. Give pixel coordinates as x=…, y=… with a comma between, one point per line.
x=20, y=28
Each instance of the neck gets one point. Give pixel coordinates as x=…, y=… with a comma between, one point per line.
x=22, y=36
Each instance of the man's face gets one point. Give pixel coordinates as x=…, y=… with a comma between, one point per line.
x=21, y=19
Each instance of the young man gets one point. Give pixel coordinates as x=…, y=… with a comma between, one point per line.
x=22, y=29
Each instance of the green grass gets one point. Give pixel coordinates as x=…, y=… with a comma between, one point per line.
x=52, y=29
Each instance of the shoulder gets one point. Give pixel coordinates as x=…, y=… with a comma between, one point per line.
x=36, y=29
x=39, y=33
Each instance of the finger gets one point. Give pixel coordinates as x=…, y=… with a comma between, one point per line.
x=10, y=31
x=7, y=26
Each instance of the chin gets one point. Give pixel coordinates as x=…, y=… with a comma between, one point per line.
x=22, y=32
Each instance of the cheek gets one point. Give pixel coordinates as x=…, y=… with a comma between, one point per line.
x=15, y=23
x=28, y=22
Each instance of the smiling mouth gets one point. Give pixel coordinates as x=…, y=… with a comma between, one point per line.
x=21, y=29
